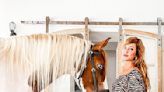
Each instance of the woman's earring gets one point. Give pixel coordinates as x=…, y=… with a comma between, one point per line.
x=135, y=58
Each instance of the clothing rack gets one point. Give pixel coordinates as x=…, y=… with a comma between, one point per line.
x=89, y=22
x=86, y=22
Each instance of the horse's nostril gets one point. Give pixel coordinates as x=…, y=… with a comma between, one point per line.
x=100, y=66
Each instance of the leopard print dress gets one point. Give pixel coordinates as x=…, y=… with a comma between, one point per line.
x=132, y=82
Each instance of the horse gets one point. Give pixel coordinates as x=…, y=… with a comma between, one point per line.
x=87, y=78
x=100, y=64
x=44, y=53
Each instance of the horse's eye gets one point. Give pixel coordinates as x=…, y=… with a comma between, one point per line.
x=100, y=66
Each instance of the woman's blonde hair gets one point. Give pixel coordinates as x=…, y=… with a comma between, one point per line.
x=139, y=59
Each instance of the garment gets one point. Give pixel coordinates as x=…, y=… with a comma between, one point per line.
x=132, y=82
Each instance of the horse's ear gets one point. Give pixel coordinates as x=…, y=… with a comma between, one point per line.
x=101, y=44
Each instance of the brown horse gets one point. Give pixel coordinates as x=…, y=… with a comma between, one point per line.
x=100, y=68
x=87, y=78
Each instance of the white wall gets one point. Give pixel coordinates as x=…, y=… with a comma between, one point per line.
x=96, y=10
x=106, y=10
x=112, y=68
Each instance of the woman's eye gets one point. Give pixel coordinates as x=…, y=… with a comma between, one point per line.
x=131, y=48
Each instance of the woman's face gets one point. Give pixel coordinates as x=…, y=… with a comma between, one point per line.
x=129, y=52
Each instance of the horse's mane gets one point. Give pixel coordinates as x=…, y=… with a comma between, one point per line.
x=32, y=52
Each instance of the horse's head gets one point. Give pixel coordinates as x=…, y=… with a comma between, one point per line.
x=97, y=61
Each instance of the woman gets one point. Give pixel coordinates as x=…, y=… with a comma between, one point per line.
x=133, y=77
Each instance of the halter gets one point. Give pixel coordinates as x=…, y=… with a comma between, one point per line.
x=91, y=55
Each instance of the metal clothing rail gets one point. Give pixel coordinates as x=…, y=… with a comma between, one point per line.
x=86, y=22
x=48, y=21
x=90, y=23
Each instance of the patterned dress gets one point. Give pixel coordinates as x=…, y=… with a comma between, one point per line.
x=132, y=82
